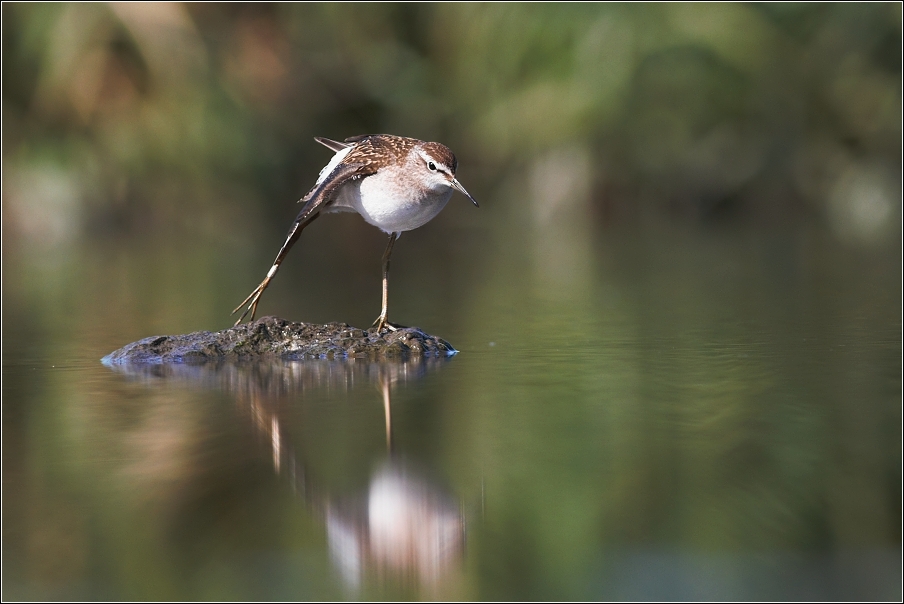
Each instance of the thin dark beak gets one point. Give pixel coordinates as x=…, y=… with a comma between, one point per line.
x=457, y=186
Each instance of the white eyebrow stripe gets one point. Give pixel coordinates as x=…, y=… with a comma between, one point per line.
x=439, y=165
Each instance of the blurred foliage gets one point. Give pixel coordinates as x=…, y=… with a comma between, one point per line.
x=133, y=116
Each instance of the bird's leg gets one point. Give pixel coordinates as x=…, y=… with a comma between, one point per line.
x=381, y=321
x=255, y=296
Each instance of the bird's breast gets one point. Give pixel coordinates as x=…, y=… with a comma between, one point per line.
x=390, y=203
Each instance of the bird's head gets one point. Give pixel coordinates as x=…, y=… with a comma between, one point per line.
x=437, y=167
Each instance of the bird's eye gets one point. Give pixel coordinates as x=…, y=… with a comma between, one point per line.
x=432, y=166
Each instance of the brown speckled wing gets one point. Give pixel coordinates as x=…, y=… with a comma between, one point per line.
x=369, y=153
x=316, y=199
x=326, y=191
x=360, y=137
x=379, y=149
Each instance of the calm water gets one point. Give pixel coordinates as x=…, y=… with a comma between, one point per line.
x=675, y=416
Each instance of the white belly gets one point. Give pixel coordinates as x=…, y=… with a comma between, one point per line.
x=388, y=205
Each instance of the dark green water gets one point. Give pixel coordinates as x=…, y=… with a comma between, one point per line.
x=644, y=415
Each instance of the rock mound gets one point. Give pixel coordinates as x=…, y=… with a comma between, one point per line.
x=272, y=337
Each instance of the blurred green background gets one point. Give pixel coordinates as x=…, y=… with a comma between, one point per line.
x=679, y=304
x=185, y=132
x=120, y=119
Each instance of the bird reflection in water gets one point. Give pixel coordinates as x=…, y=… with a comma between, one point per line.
x=402, y=528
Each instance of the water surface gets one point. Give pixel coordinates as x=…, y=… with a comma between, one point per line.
x=631, y=416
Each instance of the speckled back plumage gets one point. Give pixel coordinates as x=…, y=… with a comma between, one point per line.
x=382, y=149
x=378, y=150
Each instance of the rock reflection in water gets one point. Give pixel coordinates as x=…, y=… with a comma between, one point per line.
x=401, y=528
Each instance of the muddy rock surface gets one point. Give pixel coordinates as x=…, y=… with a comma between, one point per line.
x=272, y=337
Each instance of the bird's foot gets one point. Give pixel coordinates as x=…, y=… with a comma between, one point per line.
x=251, y=301
x=382, y=324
